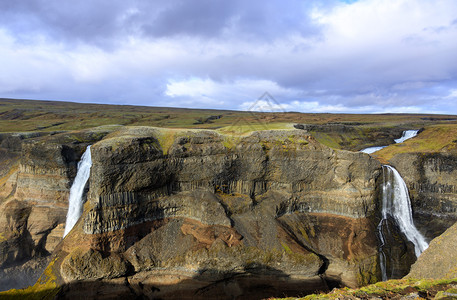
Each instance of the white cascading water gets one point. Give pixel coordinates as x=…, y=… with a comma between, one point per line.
x=382, y=255
x=406, y=135
x=370, y=150
x=75, y=202
x=397, y=205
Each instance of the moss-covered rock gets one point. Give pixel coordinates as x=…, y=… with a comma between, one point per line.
x=83, y=264
x=440, y=259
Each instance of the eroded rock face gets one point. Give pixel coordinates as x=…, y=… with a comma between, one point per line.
x=201, y=214
x=36, y=171
x=90, y=264
x=440, y=259
x=431, y=182
x=134, y=171
x=341, y=240
x=212, y=215
x=196, y=214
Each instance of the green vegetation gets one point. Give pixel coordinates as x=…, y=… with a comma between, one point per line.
x=246, y=126
x=45, y=288
x=393, y=289
x=343, y=131
x=284, y=245
x=434, y=138
x=166, y=139
x=33, y=115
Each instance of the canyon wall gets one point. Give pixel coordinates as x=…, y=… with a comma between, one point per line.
x=431, y=180
x=175, y=213
x=212, y=215
x=35, y=177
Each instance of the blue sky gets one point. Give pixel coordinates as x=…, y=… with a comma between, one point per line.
x=366, y=56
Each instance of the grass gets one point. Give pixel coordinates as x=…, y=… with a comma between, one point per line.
x=34, y=115
x=243, y=127
x=166, y=139
x=426, y=288
x=434, y=138
x=327, y=139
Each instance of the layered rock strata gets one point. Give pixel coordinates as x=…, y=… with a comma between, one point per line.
x=433, y=191
x=36, y=174
x=216, y=215
x=175, y=213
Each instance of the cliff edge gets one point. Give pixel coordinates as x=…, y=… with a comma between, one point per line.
x=171, y=213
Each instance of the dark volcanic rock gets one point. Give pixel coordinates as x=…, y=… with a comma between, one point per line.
x=34, y=189
x=211, y=213
x=430, y=178
x=197, y=214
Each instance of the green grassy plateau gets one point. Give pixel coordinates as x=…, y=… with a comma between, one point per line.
x=34, y=115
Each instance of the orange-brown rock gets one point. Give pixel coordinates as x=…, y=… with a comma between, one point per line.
x=206, y=217
x=36, y=172
x=198, y=214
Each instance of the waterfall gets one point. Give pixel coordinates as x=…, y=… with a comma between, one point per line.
x=75, y=202
x=407, y=134
x=382, y=255
x=397, y=205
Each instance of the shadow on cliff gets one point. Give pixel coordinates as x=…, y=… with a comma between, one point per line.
x=254, y=282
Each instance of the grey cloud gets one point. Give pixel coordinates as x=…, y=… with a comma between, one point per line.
x=70, y=21
x=105, y=22
x=203, y=17
x=356, y=76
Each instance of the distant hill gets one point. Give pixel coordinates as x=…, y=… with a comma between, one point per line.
x=36, y=115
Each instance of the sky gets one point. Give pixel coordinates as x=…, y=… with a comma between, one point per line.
x=366, y=56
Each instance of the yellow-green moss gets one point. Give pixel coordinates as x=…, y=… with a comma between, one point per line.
x=45, y=288
x=166, y=139
x=368, y=275
x=388, y=288
x=286, y=247
x=2, y=237
x=230, y=142
x=304, y=234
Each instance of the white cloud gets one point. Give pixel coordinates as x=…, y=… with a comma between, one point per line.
x=207, y=91
x=367, y=56
x=368, y=41
x=452, y=94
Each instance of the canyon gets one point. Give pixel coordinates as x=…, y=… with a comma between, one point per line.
x=176, y=213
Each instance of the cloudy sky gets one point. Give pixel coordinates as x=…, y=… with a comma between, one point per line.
x=366, y=56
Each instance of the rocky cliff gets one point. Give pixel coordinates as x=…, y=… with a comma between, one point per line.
x=432, y=276
x=36, y=173
x=174, y=213
x=439, y=261
x=431, y=182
